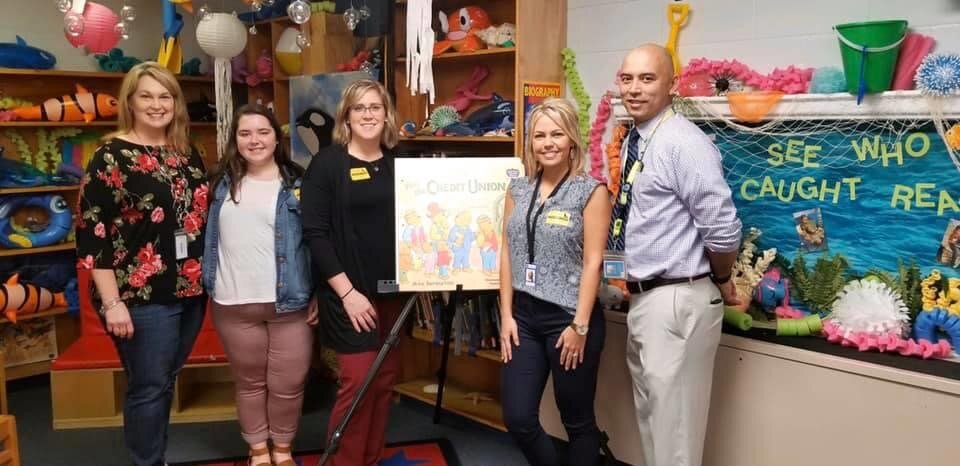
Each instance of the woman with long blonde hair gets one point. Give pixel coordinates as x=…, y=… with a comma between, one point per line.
x=140, y=233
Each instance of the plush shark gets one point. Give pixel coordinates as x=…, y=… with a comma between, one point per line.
x=21, y=55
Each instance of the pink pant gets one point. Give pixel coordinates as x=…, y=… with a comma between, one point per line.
x=269, y=355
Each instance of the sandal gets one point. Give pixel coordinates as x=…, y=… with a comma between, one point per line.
x=287, y=450
x=259, y=452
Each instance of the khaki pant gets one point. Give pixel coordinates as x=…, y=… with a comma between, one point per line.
x=674, y=331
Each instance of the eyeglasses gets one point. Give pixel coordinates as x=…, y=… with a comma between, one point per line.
x=373, y=108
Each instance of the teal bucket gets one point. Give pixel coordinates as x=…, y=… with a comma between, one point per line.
x=869, y=51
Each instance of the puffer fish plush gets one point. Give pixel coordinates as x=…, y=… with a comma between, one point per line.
x=17, y=299
x=461, y=28
x=81, y=106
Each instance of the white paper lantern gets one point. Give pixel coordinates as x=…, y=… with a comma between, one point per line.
x=221, y=35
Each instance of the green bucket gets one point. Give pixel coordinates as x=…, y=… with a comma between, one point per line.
x=869, y=51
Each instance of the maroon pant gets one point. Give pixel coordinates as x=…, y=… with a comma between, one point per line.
x=362, y=441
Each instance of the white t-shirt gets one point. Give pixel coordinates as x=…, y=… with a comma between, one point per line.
x=246, y=258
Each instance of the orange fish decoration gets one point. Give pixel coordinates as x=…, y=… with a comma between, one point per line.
x=82, y=106
x=461, y=30
x=22, y=299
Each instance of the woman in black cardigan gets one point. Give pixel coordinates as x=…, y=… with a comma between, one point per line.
x=348, y=219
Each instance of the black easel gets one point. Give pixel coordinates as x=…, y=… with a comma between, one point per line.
x=388, y=345
x=452, y=308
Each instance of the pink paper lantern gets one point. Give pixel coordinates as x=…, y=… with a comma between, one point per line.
x=99, y=29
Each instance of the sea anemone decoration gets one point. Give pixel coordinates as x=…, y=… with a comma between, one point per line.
x=871, y=307
x=939, y=75
x=596, y=136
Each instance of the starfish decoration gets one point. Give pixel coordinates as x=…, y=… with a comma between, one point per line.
x=400, y=459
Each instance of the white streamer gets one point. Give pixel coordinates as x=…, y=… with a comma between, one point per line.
x=420, y=39
x=224, y=102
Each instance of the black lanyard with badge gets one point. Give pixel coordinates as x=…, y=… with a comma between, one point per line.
x=530, y=274
x=614, y=261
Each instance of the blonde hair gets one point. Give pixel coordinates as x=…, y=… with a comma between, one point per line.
x=561, y=112
x=351, y=95
x=178, y=132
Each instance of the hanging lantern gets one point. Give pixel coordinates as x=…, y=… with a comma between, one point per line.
x=288, y=52
x=222, y=36
x=98, y=31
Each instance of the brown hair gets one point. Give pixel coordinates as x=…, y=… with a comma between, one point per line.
x=561, y=112
x=235, y=166
x=179, y=129
x=351, y=95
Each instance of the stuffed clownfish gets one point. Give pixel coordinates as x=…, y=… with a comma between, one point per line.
x=461, y=28
x=19, y=299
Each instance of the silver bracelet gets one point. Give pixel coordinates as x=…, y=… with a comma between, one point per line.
x=107, y=306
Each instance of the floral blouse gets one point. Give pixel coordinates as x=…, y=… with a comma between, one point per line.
x=136, y=201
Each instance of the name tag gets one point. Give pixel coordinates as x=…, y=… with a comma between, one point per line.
x=359, y=174
x=614, y=265
x=559, y=218
x=530, y=275
x=180, y=243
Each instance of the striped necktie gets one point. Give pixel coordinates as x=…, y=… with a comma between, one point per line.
x=621, y=205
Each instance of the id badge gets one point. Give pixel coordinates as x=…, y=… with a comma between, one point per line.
x=180, y=241
x=614, y=265
x=530, y=275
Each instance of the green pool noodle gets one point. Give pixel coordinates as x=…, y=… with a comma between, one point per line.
x=738, y=319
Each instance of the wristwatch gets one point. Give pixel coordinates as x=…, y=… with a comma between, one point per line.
x=580, y=329
x=721, y=280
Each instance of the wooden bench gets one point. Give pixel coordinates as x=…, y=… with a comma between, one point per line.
x=87, y=382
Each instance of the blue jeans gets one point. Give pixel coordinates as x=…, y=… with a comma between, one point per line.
x=539, y=325
x=163, y=336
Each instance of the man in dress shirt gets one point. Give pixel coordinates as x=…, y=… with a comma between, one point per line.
x=680, y=235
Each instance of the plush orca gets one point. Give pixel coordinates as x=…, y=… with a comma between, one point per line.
x=315, y=129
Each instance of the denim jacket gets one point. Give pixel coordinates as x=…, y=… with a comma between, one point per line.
x=294, y=284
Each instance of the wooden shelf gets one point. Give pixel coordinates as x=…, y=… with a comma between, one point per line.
x=427, y=336
x=457, y=139
x=28, y=370
x=478, y=53
x=86, y=74
x=48, y=313
x=455, y=400
x=40, y=189
x=77, y=124
x=22, y=252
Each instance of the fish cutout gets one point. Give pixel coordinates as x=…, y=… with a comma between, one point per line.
x=81, y=106
x=21, y=55
x=19, y=299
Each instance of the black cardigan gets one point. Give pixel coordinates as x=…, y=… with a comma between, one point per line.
x=334, y=248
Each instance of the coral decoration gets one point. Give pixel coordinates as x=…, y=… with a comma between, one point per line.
x=732, y=76
x=827, y=80
x=596, y=139
x=870, y=307
x=748, y=271
x=579, y=92
x=886, y=342
x=613, y=158
x=929, y=288
x=939, y=75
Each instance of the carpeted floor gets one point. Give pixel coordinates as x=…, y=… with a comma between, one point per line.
x=432, y=452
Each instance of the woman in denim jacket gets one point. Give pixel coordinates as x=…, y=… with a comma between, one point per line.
x=258, y=275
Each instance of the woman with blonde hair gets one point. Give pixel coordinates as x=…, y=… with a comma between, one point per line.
x=549, y=277
x=348, y=220
x=140, y=233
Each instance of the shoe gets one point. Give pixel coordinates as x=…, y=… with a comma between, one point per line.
x=259, y=452
x=286, y=450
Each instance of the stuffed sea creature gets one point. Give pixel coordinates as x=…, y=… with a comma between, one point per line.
x=315, y=129
x=21, y=55
x=115, y=62
x=81, y=106
x=461, y=28
x=504, y=35
x=443, y=116
x=191, y=67
x=19, y=299
x=939, y=74
x=491, y=116
x=36, y=233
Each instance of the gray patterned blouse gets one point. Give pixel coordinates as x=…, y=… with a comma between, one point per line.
x=558, y=252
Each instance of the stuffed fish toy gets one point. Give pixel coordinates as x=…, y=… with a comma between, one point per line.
x=18, y=299
x=21, y=55
x=81, y=106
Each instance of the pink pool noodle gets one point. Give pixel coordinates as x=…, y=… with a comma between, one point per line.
x=912, y=51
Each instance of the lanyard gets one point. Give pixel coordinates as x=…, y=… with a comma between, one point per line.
x=532, y=227
x=628, y=175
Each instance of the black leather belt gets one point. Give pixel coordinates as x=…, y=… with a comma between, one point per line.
x=647, y=285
